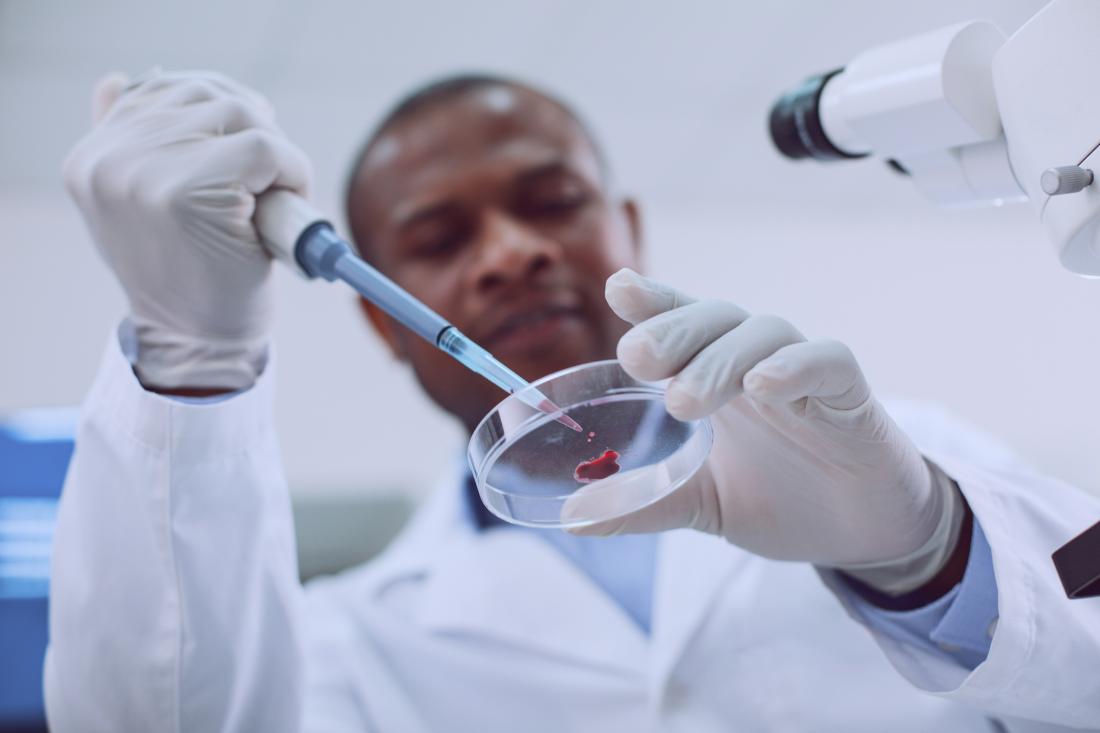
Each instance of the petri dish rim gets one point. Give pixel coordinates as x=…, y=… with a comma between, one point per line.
x=702, y=436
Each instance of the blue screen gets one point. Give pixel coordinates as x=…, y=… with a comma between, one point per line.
x=35, y=448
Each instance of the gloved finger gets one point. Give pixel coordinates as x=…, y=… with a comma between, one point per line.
x=156, y=89
x=157, y=80
x=189, y=91
x=635, y=298
x=125, y=94
x=659, y=347
x=106, y=92
x=181, y=88
x=258, y=159
x=715, y=376
x=222, y=83
x=824, y=369
x=152, y=75
x=689, y=506
x=226, y=115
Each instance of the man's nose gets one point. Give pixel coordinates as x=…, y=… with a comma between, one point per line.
x=510, y=252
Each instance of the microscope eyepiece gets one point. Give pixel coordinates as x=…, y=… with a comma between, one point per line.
x=795, y=123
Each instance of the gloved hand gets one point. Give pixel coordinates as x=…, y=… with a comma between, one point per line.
x=166, y=181
x=806, y=464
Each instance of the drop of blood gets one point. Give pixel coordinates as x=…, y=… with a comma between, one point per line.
x=598, y=468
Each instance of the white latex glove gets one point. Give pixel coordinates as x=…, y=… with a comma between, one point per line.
x=806, y=464
x=166, y=181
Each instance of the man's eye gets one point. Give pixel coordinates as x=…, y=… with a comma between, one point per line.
x=556, y=204
x=439, y=244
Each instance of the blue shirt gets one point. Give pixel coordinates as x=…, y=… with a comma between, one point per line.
x=960, y=624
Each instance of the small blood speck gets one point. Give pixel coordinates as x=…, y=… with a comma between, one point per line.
x=598, y=468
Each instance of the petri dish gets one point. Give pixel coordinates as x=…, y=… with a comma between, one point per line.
x=525, y=463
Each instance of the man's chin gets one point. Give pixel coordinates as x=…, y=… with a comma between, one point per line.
x=553, y=358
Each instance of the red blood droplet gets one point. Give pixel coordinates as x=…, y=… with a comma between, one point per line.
x=598, y=468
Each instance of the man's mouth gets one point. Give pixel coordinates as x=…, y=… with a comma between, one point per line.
x=531, y=328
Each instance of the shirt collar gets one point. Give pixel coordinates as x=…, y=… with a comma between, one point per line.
x=481, y=517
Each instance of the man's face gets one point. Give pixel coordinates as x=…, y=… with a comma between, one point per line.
x=490, y=208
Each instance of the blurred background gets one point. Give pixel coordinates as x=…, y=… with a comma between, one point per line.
x=966, y=308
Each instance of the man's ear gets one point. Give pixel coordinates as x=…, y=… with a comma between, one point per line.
x=633, y=216
x=384, y=326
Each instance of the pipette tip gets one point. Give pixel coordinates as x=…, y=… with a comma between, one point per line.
x=549, y=408
x=570, y=423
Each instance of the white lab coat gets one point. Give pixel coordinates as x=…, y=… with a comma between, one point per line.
x=176, y=608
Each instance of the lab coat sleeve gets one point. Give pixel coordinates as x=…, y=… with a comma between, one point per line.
x=174, y=594
x=959, y=625
x=1044, y=653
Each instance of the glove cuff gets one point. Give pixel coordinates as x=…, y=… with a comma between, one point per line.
x=905, y=574
x=173, y=361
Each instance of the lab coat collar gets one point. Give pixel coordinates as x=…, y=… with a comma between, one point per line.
x=693, y=569
x=479, y=583
x=510, y=585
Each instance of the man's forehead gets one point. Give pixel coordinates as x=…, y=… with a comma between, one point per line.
x=496, y=125
x=476, y=117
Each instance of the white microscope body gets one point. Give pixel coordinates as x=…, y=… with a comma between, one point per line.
x=974, y=118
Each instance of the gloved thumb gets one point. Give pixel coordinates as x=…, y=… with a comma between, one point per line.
x=693, y=505
x=635, y=298
x=106, y=92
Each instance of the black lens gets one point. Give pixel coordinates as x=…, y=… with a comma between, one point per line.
x=795, y=123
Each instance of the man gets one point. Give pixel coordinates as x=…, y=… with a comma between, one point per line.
x=175, y=602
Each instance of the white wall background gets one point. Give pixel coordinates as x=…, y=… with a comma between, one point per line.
x=968, y=308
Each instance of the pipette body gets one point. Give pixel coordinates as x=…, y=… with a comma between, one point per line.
x=320, y=252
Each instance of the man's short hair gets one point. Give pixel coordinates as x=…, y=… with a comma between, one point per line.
x=441, y=91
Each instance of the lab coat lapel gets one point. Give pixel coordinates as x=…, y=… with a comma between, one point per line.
x=692, y=570
x=508, y=584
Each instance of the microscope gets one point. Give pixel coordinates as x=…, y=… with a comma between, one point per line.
x=976, y=118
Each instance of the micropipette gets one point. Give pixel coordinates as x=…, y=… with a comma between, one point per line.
x=297, y=234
